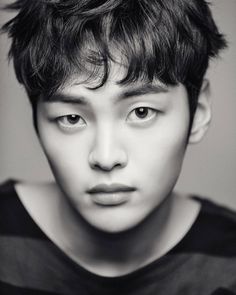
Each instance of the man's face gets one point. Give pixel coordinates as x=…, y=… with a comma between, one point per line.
x=116, y=152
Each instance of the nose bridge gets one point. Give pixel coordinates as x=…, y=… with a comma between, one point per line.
x=107, y=151
x=104, y=140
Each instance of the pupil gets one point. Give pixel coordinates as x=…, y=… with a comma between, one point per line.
x=141, y=112
x=73, y=119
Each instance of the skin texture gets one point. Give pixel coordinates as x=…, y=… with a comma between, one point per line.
x=106, y=141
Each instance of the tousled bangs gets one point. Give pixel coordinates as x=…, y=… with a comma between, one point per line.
x=55, y=41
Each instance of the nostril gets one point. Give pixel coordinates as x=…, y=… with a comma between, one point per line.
x=106, y=168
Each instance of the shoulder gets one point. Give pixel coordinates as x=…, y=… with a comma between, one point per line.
x=15, y=218
x=213, y=232
x=25, y=251
x=9, y=202
x=210, y=247
x=213, y=207
x=216, y=217
x=7, y=189
x=215, y=224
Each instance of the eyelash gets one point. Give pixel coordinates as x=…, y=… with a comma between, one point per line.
x=146, y=114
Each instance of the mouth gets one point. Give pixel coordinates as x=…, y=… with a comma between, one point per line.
x=110, y=195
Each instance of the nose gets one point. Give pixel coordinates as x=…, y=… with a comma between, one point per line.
x=107, y=152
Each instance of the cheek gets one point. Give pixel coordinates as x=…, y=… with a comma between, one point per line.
x=66, y=155
x=164, y=160
x=161, y=153
x=162, y=144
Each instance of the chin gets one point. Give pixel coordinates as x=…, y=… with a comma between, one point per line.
x=114, y=222
x=113, y=228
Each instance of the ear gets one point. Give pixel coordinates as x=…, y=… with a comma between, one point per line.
x=202, y=117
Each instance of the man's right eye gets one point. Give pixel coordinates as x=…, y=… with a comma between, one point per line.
x=71, y=121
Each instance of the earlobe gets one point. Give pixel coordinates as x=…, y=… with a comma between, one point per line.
x=202, y=117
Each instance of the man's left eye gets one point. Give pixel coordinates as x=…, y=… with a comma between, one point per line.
x=71, y=121
x=142, y=114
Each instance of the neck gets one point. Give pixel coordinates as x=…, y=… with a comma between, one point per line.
x=120, y=253
x=132, y=242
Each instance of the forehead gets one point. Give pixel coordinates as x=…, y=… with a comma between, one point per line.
x=92, y=75
x=117, y=71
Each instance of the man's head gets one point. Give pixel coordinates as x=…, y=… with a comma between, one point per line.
x=115, y=86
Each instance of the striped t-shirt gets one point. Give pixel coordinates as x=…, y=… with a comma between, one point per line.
x=203, y=263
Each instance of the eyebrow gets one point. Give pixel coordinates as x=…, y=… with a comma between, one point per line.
x=66, y=98
x=134, y=92
x=143, y=90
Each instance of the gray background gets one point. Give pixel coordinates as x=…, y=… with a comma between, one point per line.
x=209, y=168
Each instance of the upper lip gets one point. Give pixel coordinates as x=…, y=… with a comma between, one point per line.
x=110, y=188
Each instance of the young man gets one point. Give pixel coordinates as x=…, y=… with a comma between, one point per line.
x=118, y=91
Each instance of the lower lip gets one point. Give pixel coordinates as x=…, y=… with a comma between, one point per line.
x=111, y=199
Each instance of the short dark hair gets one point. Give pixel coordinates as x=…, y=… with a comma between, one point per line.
x=169, y=40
